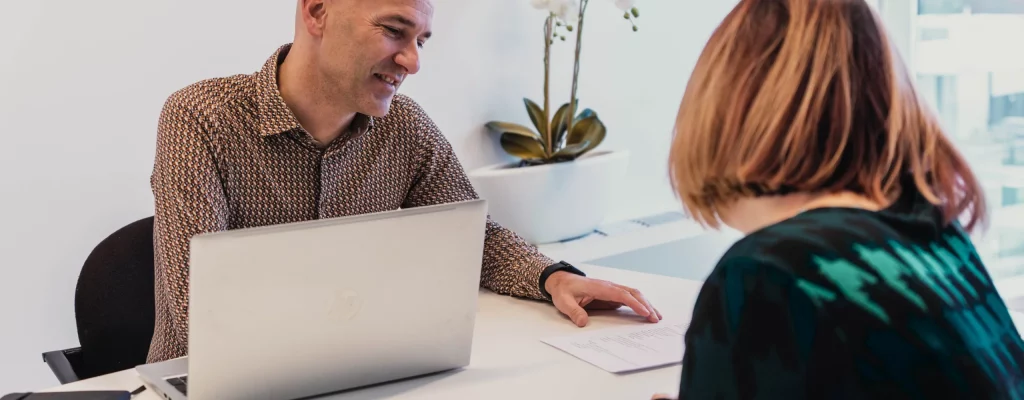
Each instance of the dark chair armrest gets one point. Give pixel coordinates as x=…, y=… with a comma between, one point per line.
x=60, y=363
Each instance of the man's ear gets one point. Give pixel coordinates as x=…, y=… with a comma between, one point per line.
x=313, y=16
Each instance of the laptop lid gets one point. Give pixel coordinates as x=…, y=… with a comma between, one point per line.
x=308, y=308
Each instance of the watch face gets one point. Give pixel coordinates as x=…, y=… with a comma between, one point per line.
x=571, y=268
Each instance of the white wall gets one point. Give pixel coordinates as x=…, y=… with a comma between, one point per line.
x=490, y=55
x=82, y=82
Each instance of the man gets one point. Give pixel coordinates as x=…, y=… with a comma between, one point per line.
x=321, y=132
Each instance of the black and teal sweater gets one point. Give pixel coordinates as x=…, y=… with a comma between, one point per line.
x=843, y=303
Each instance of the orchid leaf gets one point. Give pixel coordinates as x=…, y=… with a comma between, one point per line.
x=512, y=128
x=584, y=114
x=537, y=116
x=571, y=152
x=588, y=130
x=560, y=124
x=524, y=147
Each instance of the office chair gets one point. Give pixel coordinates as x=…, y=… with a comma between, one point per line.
x=114, y=307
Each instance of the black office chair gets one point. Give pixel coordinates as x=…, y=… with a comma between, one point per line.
x=114, y=307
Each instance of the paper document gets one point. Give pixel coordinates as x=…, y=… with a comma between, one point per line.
x=625, y=349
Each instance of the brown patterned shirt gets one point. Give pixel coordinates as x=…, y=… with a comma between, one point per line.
x=230, y=154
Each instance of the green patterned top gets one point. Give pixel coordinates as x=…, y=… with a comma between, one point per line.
x=843, y=303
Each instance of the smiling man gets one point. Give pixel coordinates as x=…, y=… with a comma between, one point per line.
x=321, y=132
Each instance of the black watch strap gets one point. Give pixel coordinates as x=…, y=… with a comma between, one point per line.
x=551, y=269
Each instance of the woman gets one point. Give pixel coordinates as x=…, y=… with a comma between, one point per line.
x=857, y=278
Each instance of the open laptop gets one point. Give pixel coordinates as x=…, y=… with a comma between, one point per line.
x=311, y=308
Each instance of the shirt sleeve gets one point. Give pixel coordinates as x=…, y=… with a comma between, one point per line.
x=756, y=333
x=189, y=200
x=511, y=265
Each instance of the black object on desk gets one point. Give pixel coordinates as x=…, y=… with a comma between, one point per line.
x=85, y=395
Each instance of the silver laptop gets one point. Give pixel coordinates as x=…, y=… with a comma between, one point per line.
x=311, y=308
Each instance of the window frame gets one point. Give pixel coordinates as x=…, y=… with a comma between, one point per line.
x=900, y=19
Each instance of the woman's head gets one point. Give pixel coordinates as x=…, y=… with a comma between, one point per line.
x=809, y=96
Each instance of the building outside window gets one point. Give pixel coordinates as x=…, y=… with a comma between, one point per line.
x=968, y=60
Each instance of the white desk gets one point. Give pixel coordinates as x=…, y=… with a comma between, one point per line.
x=510, y=362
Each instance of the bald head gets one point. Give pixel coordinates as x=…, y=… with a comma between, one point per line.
x=362, y=50
x=307, y=12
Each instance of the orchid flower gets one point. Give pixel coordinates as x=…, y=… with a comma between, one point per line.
x=565, y=10
x=625, y=5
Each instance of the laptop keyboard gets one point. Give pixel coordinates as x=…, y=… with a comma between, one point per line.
x=180, y=383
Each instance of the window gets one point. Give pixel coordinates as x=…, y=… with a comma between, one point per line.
x=971, y=73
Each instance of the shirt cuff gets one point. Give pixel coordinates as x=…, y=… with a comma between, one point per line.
x=551, y=269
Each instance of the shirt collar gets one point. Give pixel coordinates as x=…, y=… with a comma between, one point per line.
x=274, y=115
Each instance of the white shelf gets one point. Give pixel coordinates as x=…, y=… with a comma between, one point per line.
x=620, y=237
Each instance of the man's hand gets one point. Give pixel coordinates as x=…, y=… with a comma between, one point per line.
x=572, y=294
x=662, y=396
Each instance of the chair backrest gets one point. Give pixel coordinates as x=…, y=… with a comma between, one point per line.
x=114, y=301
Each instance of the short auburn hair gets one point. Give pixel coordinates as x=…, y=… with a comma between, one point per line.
x=810, y=96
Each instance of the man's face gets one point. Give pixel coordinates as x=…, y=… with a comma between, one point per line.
x=370, y=47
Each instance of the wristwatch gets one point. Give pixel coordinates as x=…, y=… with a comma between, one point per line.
x=551, y=269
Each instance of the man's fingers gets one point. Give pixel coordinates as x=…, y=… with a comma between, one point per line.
x=568, y=306
x=603, y=305
x=654, y=316
x=621, y=295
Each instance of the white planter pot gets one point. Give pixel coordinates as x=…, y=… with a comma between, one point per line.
x=551, y=203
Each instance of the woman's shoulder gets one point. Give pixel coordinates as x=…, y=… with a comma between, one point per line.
x=867, y=259
x=820, y=233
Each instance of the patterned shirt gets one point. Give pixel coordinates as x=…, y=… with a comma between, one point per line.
x=848, y=303
x=230, y=154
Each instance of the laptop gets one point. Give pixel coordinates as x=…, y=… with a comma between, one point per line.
x=311, y=308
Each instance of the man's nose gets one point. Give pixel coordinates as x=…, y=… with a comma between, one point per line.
x=409, y=58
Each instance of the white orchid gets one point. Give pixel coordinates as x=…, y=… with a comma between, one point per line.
x=565, y=134
x=566, y=10
x=625, y=5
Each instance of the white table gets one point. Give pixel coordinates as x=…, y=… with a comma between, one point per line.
x=509, y=360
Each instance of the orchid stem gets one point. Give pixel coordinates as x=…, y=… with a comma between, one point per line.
x=576, y=67
x=548, y=32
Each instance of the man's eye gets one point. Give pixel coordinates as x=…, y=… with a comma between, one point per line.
x=393, y=31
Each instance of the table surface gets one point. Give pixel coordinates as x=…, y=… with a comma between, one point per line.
x=509, y=360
